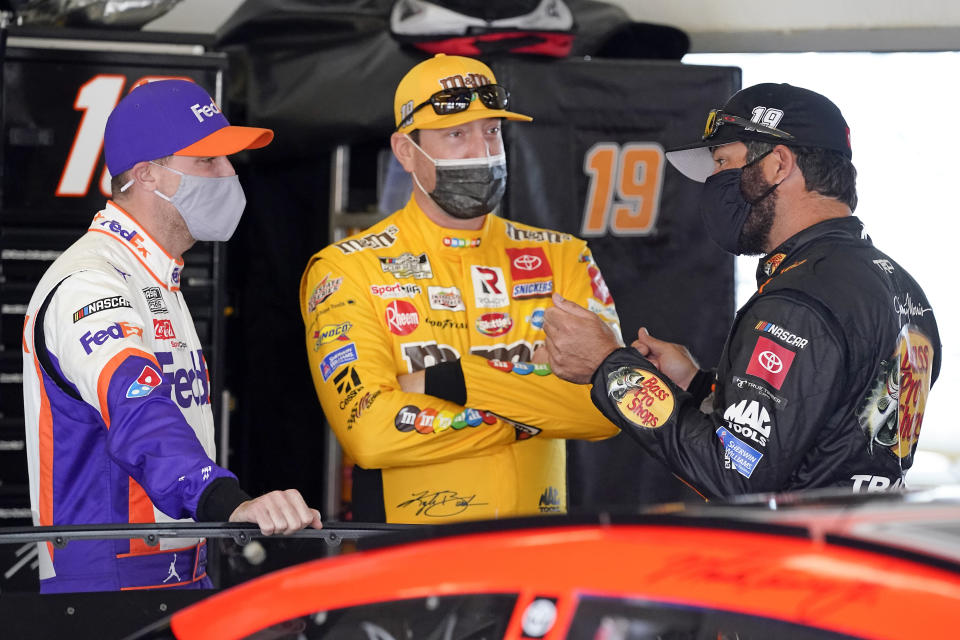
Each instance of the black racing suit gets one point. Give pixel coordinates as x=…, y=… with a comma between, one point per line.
x=822, y=382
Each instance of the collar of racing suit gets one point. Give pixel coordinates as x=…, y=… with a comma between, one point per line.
x=778, y=260
x=116, y=223
x=451, y=243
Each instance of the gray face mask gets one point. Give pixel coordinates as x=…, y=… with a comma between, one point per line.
x=211, y=207
x=467, y=188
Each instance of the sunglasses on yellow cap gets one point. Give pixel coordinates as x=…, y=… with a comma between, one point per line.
x=457, y=99
x=717, y=118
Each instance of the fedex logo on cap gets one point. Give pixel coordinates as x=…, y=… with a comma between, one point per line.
x=207, y=110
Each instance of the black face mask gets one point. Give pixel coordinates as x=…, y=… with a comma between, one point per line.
x=468, y=188
x=725, y=209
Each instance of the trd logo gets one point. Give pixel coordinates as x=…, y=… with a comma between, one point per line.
x=187, y=385
x=115, y=331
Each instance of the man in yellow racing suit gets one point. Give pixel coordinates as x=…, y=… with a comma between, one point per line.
x=421, y=331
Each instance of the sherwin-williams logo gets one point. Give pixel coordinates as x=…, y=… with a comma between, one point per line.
x=336, y=359
x=115, y=331
x=113, y=302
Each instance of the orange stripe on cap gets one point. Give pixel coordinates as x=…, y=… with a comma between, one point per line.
x=227, y=141
x=140, y=510
x=45, y=441
x=103, y=383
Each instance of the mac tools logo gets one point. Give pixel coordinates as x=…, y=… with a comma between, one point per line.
x=750, y=420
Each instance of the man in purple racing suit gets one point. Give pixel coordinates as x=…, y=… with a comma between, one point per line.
x=116, y=388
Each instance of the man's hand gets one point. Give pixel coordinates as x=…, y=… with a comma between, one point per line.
x=577, y=340
x=672, y=359
x=412, y=382
x=278, y=512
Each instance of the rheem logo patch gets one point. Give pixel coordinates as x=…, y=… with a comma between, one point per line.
x=148, y=380
x=402, y=317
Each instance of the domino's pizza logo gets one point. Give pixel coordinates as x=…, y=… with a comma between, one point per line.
x=148, y=380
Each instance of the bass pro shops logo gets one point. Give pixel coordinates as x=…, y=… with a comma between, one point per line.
x=641, y=397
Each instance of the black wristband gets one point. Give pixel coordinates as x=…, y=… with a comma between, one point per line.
x=219, y=500
x=701, y=385
x=445, y=381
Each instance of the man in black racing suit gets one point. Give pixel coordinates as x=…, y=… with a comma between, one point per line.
x=824, y=377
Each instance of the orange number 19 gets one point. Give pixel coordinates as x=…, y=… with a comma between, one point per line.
x=633, y=173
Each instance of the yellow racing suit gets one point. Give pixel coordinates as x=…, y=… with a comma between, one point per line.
x=486, y=439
